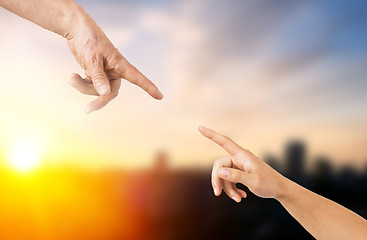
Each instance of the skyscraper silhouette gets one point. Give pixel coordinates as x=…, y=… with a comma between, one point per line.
x=295, y=156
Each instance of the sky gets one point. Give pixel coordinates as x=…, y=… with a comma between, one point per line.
x=261, y=72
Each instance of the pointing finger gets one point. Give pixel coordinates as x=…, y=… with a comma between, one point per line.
x=133, y=75
x=225, y=142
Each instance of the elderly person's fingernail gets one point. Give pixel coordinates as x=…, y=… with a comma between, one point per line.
x=88, y=110
x=103, y=89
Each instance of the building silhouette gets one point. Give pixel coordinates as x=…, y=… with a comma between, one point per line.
x=295, y=159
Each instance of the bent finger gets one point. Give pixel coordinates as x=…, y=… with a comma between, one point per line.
x=216, y=180
x=235, y=176
x=111, y=74
x=99, y=77
x=241, y=192
x=83, y=85
x=230, y=190
x=102, y=101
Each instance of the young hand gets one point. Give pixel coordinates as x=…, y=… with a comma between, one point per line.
x=241, y=166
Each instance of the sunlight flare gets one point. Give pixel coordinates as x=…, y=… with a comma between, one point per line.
x=24, y=154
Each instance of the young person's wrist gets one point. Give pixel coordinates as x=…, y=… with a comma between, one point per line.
x=285, y=189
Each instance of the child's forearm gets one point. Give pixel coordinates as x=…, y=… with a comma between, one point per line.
x=321, y=217
x=57, y=16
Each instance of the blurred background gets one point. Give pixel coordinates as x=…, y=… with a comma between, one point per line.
x=285, y=79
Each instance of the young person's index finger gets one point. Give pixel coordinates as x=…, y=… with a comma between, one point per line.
x=225, y=142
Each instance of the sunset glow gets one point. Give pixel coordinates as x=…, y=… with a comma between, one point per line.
x=24, y=154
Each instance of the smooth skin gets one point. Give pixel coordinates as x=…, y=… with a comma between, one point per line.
x=321, y=217
x=103, y=64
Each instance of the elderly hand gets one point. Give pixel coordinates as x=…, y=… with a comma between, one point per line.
x=103, y=63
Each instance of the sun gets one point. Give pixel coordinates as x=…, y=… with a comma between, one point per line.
x=24, y=154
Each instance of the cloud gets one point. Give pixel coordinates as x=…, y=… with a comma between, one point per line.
x=259, y=71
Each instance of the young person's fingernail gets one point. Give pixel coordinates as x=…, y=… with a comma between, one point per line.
x=103, y=89
x=236, y=199
x=215, y=191
x=224, y=172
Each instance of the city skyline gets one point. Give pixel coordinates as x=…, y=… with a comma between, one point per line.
x=160, y=201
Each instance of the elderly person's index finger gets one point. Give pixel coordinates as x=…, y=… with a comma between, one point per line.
x=225, y=142
x=133, y=75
